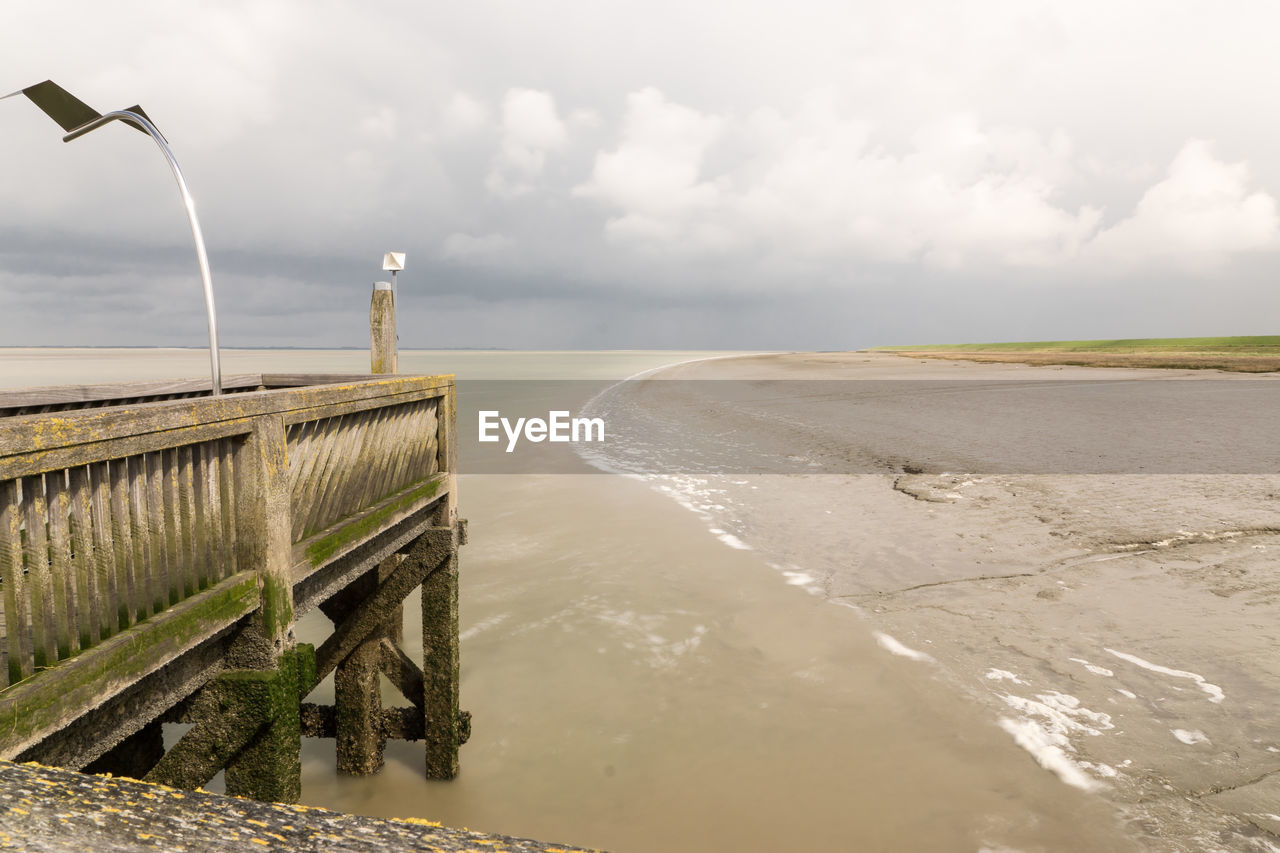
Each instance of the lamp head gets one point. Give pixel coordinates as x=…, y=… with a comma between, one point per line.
x=393, y=261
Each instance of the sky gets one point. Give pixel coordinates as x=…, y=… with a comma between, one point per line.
x=567, y=175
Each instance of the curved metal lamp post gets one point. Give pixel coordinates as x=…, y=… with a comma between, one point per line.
x=77, y=119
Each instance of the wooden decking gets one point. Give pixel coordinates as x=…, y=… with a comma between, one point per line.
x=141, y=525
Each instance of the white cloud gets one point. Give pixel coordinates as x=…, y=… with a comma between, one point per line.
x=531, y=128
x=815, y=184
x=1202, y=212
x=653, y=174
x=464, y=114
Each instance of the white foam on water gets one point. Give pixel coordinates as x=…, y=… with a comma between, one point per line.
x=1096, y=670
x=1106, y=771
x=1045, y=730
x=1049, y=751
x=1126, y=693
x=891, y=645
x=1215, y=692
x=1190, y=737
x=1003, y=675
x=484, y=625
x=730, y=540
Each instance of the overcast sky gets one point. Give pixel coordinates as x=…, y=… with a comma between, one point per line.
x=754, y=175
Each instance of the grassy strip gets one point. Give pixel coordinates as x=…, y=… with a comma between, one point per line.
x=1255, y=345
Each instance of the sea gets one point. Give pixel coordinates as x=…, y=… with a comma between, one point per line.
x=640, y=679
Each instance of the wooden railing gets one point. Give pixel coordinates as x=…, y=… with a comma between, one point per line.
x=129, y=533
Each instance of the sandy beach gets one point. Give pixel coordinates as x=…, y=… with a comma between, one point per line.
x=1119, y=627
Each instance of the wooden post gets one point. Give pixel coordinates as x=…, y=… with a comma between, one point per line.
x=442, y=724
x=382, y=330
x=263, y=658
x=264, y=534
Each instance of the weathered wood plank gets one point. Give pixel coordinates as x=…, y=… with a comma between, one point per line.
x=328, y=545
x=322, y=474
x=140, y=537
x=396, y=455
x=122, y=528
x=345, y=432
x=229, y=556
x=34, y=709
x=86, y=577
x=30, y=433
x=186, y=521
x=60, y=568
x=157, y=543
x=447, y=453
x=172, y=525
x=104, y=551
x=306, y=456
x=39, y=577
x=17, y=604
x=361, y=405
x=203, y=503
x=262, y=525
x=360, y=463
x=24, y=464
x=58, y=395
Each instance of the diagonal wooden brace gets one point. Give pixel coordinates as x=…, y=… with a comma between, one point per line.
x=429, y=552
x=246, y=722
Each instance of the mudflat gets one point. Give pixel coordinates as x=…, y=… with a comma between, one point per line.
x=1119, y=626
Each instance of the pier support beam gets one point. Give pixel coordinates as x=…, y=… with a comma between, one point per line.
x=365, y=644
x=246, y=721
x=442, y=721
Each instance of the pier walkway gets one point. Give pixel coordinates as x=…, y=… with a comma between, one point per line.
x=157, y=545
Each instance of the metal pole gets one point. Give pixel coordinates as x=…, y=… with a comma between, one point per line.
x=215, y=359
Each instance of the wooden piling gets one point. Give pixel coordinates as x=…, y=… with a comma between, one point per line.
x=382, y=330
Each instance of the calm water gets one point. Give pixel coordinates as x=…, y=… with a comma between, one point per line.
x=638, y=684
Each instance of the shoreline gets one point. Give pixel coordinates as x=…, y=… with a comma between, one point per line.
x=1118, y=627
x=1158, y=360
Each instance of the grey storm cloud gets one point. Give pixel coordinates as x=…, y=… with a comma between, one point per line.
x=646, y=174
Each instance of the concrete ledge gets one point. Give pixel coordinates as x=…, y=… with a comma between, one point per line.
x=48, y=809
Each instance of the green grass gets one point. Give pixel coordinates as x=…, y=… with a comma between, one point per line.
x=1255, y=345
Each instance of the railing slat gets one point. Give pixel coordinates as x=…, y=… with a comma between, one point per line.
x=319, y=480
x=187, y=512
x=358, y=466
x=58, y=506
x=339, y=468
x=343, y=436
x=86, y=586
x=230, y=562
x=170, y=585
x=17, y=606
x=140, y=534
x=159, y=586
x=36, y=556
x=306, y=457
x=203, y=502
x=104, y=549
x=122, y=542
x=395, y=467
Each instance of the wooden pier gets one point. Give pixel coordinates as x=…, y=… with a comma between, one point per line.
x=157, y=545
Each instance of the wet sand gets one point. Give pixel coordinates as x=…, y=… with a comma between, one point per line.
x=637, y=685
x=1120, y=628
